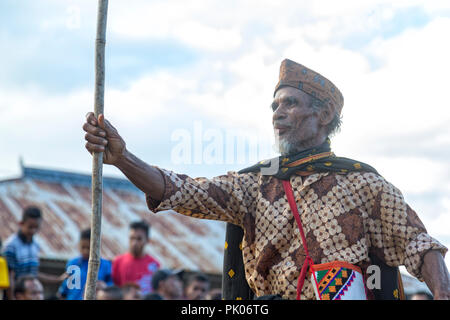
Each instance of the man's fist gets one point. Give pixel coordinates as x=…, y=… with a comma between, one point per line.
x=101, y=136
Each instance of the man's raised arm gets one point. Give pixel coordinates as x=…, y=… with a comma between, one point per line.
x=101, y=136
x=221, y=198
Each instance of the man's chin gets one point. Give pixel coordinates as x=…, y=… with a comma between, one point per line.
x=283, y=146
x=136, y=253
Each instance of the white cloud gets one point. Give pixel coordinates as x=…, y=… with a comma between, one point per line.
x=407, y=92
x=429, y=175
x=148, y=97
x=437, y=223
x=174, y=20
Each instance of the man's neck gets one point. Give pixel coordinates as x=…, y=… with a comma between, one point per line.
x=293, y=148
x=23, y=238
x=138, y=255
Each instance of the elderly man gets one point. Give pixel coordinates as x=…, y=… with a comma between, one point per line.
x=314, y=208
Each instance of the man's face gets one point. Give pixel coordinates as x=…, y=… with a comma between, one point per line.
x=133, y=294
x=197, y=290
x=172, y=287
x=295, y=123
x=100, y=285
x=30, y=227
x=33, y=291
x=137, y=239
x=85, y=245
x=102, y=295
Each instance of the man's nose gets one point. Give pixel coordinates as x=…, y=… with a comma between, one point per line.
x=278, y=114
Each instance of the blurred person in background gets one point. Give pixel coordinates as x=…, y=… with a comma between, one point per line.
x=100, y=285
x=131, y=291
x=197, y=286
x=72, y=287
x=152, y=296
x=214, y=294
x=4, y=273
x=110, y=293
x=22, y=252
x=28, y=287
x=136, y=266
x=167, y=284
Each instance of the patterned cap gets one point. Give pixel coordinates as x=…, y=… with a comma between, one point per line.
x=295, y=75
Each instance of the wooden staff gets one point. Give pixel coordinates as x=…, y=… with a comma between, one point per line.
x=97, y=164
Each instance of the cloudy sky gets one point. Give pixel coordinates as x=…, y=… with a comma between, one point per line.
x=189, y=84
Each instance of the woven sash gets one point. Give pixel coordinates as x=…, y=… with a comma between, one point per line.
x=337, y=280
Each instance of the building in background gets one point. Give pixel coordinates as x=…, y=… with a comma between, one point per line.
x=178, y=242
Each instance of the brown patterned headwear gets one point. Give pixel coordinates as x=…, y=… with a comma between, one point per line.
x=295, y=75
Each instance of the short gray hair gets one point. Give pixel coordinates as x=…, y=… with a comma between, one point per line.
x=335, y=125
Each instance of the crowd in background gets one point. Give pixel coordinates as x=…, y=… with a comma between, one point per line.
x=134, y=275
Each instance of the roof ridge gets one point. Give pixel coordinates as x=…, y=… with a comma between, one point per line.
x=59, y=176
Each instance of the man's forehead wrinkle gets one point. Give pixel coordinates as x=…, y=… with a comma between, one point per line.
x=287, y=92
x=284, y=98
x=289, y=99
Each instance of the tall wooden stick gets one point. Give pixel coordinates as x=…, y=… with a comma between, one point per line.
x=97, y=163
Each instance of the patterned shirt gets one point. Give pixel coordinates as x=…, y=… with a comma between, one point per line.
x=22, y=257
x=345, y=217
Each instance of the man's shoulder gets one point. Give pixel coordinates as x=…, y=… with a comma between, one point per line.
x=364, y=176
x=36, y=244
x=75, y=260
x=151, y=259
x=105, y=262
x=238, y=174
x=121, y=257
x=12, y=241
x=248, y=178
x=362, y=179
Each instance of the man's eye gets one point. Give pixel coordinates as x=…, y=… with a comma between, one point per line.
x=274, y=106
x=291, y=101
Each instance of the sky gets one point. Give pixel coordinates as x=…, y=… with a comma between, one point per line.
x=189, y=85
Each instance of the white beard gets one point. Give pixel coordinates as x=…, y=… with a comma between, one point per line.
x=283, y=146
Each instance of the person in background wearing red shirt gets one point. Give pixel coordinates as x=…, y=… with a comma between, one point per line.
x=136, y=266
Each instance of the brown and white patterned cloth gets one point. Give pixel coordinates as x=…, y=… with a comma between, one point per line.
x=345, y=216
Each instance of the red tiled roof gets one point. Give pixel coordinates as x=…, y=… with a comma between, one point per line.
x=65, y=199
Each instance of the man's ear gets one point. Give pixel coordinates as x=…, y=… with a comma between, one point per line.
x=326, y=114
